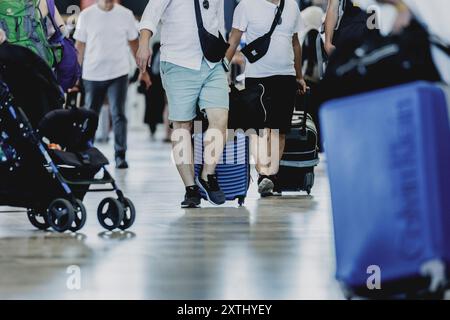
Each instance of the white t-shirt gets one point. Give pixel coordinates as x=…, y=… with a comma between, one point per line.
x=106, y=34
x=255, y=17
x=180, y=43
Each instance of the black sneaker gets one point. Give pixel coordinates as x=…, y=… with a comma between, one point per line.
x=277, y=192
x=265, y=186
x=192, y=198
x=212, y=189
x=121, y=163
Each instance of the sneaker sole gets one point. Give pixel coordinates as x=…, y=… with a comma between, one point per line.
x=190, y=206
x=197, y=181
x=265, y=187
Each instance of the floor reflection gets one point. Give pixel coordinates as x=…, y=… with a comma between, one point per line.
x=275, y=248
x=30, y=263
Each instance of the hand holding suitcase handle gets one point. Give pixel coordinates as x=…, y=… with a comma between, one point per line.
x=306, y=102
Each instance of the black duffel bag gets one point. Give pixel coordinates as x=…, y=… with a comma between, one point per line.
x=247, y=109
x=380, y=62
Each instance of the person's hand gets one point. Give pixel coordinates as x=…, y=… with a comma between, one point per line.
x=2, y=36
x=145, y=77
x=403, y=20
x=143, y=56
x=404, y=16
x=75, y=88
x=329, y=48
x=302, y=86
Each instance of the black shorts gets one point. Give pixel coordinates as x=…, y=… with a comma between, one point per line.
x=279, y=100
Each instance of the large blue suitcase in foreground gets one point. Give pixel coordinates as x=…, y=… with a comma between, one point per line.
x=388, y=158
x=233, y=172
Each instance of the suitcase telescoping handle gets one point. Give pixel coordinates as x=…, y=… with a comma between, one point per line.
x=77, y=104
x=306, y=102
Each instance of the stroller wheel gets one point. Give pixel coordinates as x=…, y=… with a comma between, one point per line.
x=129, y=215
x=80, y=217
x=60, y=215
x=110, y=213
x=38, y=219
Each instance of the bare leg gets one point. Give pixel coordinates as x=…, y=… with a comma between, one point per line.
x=267, y=157
x=263, y=152
x=215, y=140
x=166, y=120
x=277, y=144
x=182, y=151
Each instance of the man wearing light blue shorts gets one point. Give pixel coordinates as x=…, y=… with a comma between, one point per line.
x=189, y=80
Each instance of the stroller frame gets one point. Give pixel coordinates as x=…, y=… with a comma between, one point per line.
x=68, y=213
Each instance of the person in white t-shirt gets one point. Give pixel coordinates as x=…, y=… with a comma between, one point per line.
x=279, y=70
x=190, y=80
x=104, y=34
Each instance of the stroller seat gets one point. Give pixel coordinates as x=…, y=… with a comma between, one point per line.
x=73, y=130
x=91, y=159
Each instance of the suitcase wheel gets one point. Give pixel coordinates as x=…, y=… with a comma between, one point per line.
x=309, y=182
x=241, y=201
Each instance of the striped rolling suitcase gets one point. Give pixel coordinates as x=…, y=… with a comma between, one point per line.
x=233, y=172
x=388, y=160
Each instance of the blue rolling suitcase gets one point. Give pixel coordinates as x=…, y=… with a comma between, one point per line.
x=233, y=173
x=389, y=167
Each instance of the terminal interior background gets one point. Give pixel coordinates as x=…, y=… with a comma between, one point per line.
x=273, y=248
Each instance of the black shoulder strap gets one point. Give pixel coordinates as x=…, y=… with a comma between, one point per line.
x=198, y=14
x=277, y=17
x=439, y=43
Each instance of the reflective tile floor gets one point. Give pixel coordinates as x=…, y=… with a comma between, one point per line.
x=280, y=248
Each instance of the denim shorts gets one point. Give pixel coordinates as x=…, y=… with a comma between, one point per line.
x=187, y=88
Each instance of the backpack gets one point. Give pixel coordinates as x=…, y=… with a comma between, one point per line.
x=23, y=24
x=67, y=68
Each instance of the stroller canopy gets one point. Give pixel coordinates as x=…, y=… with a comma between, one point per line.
x=31, y=82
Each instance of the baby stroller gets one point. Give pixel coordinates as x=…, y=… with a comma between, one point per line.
x=47, y=160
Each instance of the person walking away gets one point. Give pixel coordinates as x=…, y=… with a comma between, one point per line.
x=103, y=35
x=190, y=80
x=279, y=71
x=345, y=25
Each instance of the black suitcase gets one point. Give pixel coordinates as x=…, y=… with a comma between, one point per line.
x=301, y=153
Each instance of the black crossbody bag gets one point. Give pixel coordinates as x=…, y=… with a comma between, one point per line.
x=214, y=48
x=382, y=62
x=258, y=48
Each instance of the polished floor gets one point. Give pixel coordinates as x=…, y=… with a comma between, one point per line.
x=280, y=248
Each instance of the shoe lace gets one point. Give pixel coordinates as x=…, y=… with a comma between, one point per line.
x=191, y=193
x=213, y=183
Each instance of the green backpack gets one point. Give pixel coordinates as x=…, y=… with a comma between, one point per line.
x=23, y=24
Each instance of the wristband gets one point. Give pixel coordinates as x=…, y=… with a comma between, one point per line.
x=226, y=64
